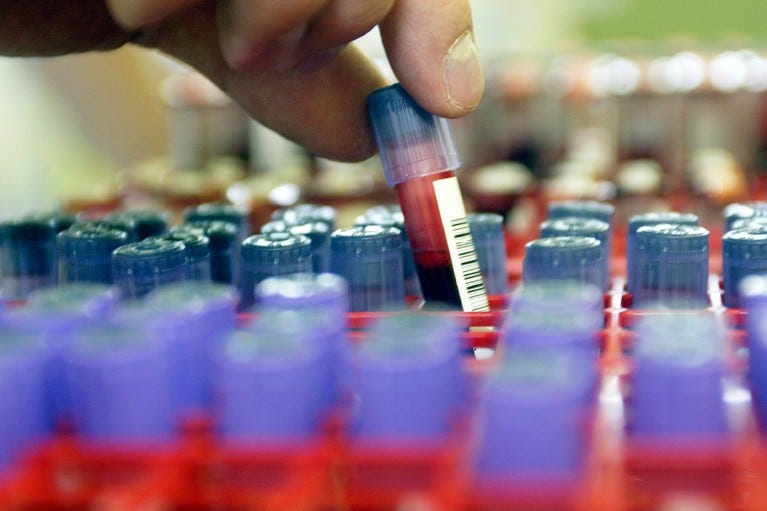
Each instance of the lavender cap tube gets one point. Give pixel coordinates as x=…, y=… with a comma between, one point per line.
x=120, y=385
x=532, y=415
x=408, y=379
x=273, y=380
x=753, y=291
x=23, y=419
x=677, y=383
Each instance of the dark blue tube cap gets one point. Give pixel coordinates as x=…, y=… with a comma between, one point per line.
x=741, y=211
x=582, y=226
x=224, y=250
x=28, y=256
x=59, y=220
x=138, y=268
x=757, y=221
x=744, y=252
x=576, y=258
x=588, y=209
x=490, y=244
x=411, y=141
x=672, y=265
x=307, y=214
x=196, y=248
x=317, y=231
x=85, y=252
x=221, y=211
x=141, y=224
x=370, y=259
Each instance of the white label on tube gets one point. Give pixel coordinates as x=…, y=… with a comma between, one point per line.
x=468, y=276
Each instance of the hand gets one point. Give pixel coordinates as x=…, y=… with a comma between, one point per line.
x=287, y=62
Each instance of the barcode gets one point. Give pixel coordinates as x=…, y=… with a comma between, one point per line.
x=469, y=265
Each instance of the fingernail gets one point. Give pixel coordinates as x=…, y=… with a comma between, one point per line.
x=462, y=73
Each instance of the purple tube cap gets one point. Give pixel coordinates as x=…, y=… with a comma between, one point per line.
x=302, y=290
x=66, y=306
x=193, y=297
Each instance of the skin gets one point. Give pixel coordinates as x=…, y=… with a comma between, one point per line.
x=288, y=62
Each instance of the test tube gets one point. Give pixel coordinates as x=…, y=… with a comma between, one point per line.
x=120, y=384
x=490, y=244
x=565, y=297
x=138, y=268
x=533, y=412
x=370, y=259
x=677, y=383
x=753, y=294
x=141, y=223
x=196, y=249
x=391, y=216
x=29, y=257
x=743, y=211
x=55, y=315
x=408, y=379
x=582, y=226
x=419, y=160
x=307, y=213
x=582, y=208
x=757, y=221
x=744, y=252
x=195, y=318
x=672, y=265
x=643, y=220
x=23, y=418
x=59, y=220
x=317, y=232
x=220, y=211
x=564, y=258
x=224, y=250
x=269, y=255
x=85, y=252
x=273, y=379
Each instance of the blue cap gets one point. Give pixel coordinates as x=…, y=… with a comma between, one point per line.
x=273, y=380
x=85, y=252
x=224, y=250
x=672, y=265
x=307, y=213
x=23, y=412
x=744, y=252
x=583, y=226
x=583, y=208
x=221, y=211
x=370, y=259
x=141, y=224
x=196, y=248
x=644, y=220
x=267, y=255
x=59, y=220
x=743, y=210
x=532, y=415
x=490, y=244
x=118, y=376
x=407, y=378
x=412, y=142
x=677, y=384
x=318, y=232
x=138, y=268
x=757, y=221
x=29, y=257
x=576, y=258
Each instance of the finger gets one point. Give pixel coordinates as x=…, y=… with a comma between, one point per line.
x=323, y=111
x=133, y=14
x=263, y=35
x=431, y=48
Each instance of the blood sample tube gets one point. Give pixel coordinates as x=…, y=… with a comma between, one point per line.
x=408, y=380
x=587, y=209
x=419, y=160
x=55, y=315
x=672, y=265
x=564, y=258
x=273, y=379
x=195, y=318
x=23, y=418
x=489, y=242
x=85, y=252
x=743, y=211
x=317, y=232
x=677, y=383
x=142, y=223
x=138, y=268
x=307, y=213
x=370, y=259
x=744, y=252
x=533, y=413
x=29, y=257
x=643, y=220
x=196, y=249
x=120, y=384
x=222, y=212
x=582, y=226
x=268, y=255
x=391, y=216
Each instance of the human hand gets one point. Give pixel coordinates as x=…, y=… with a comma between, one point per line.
x=287, y=62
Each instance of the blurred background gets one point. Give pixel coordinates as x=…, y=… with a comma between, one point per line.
x=604, y=99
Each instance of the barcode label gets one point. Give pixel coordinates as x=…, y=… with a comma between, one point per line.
x=463, y=256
